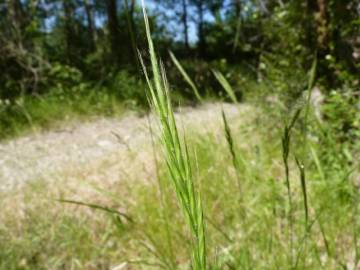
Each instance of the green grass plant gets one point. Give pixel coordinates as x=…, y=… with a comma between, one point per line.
x=176, y=155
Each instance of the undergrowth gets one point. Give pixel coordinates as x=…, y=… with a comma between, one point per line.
x=38, y=113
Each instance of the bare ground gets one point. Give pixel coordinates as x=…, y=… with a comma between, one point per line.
x=101, y=149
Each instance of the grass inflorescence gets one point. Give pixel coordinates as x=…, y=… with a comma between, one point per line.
x=176, y=155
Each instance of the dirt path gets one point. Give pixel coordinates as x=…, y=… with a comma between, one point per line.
x=39, y=156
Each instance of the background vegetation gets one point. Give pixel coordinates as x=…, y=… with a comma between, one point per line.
x=277, y=189
x=56, y=53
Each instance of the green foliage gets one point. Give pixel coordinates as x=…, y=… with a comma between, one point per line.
x=65, y=75
x=339, y=132
x=283, y=77
x=129, y=88
x=34, y=113
x=341, y=113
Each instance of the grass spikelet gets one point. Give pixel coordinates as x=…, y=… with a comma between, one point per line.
x=230, y=143
x=176, y=155
x=303, y=188
x=285, y=140
x=286, y=150
x=186, y=76
x=226, y=85
x=311, y=83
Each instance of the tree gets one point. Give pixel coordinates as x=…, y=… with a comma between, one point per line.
x=90, y=23
x=180, y=15
x=200, y=7
x=113, y=28
x=69, y=29
x=21, y=58
x=129, y=10
x=184, y=19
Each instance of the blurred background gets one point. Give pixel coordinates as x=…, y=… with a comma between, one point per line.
x=81, y=55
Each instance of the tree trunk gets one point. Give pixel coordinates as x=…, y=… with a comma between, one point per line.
x=237, y=4
x=132, y=8
x=237, y=8
x=90, y=24
x=113, y=28
x=185, y=24
x=16, y=16
x=309, y=25
x=320, y=41
x=70, y=33
x=322, y=24
x=132, y=30
x=201, y=34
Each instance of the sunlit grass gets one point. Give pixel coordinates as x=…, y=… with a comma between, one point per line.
x=177, y=156
x=38, y=232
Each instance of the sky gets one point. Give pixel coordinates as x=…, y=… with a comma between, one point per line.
x=177, y=27
x=173, y=26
